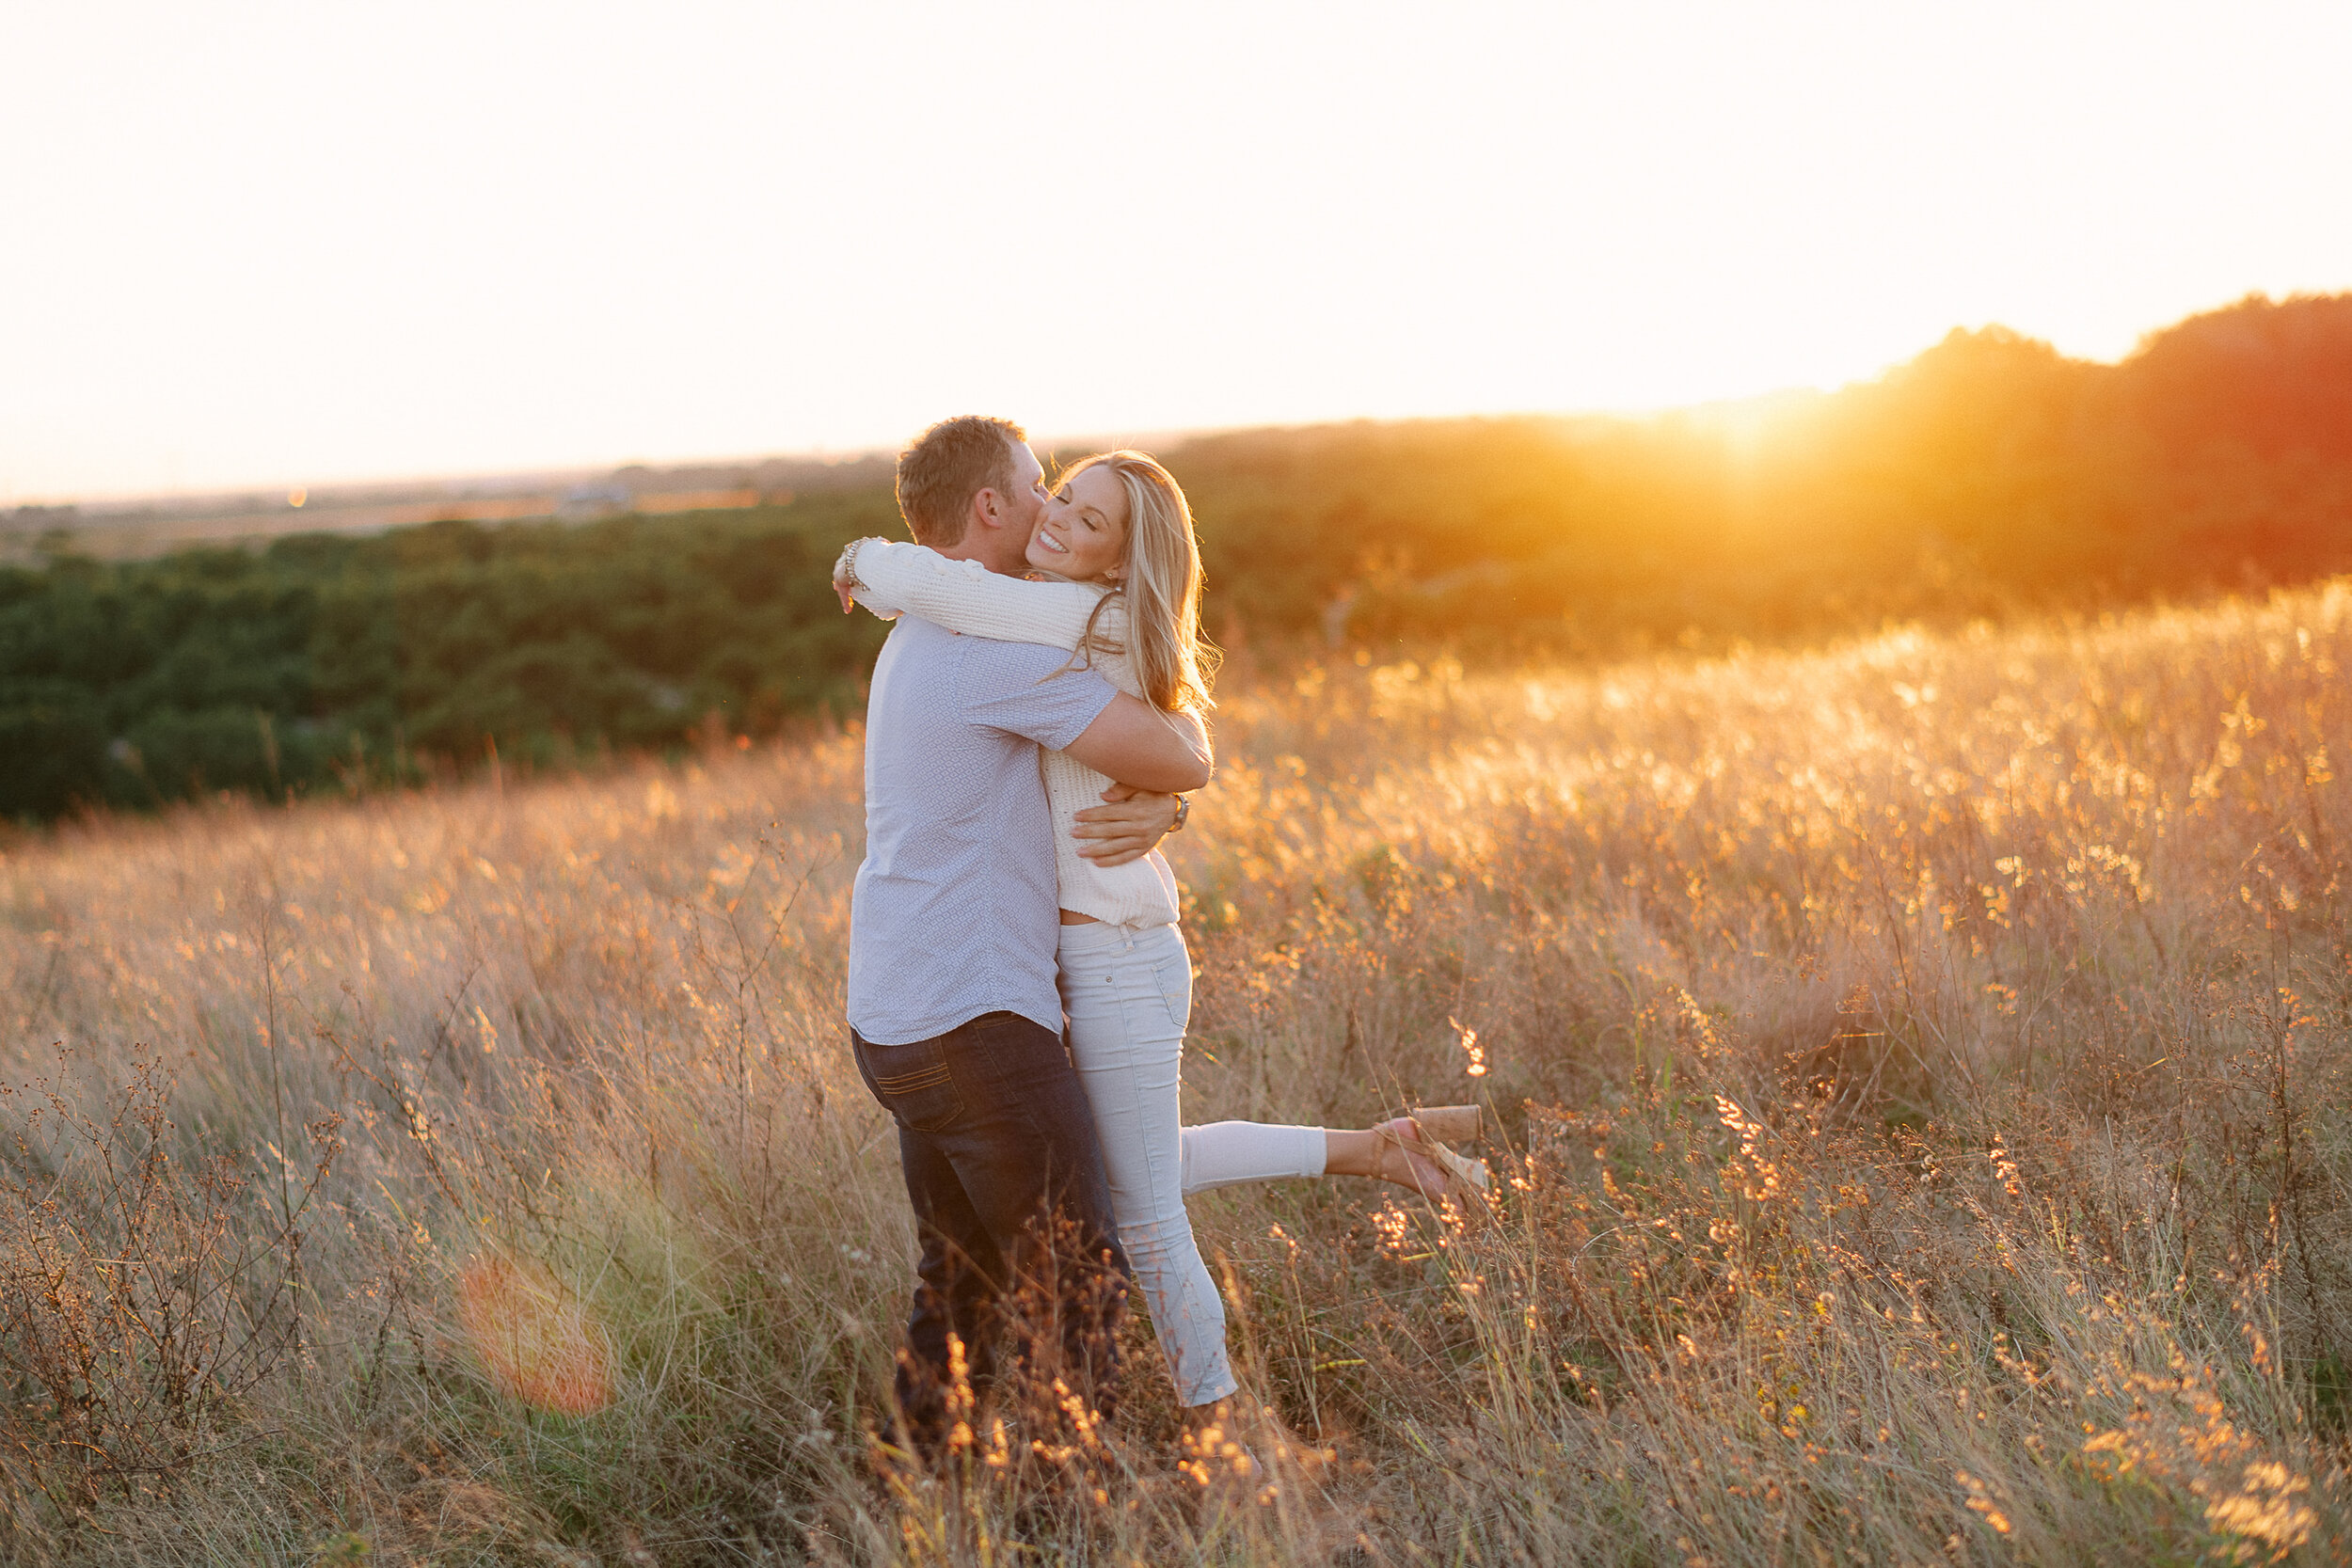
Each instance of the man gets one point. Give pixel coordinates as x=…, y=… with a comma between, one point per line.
x=953, y=926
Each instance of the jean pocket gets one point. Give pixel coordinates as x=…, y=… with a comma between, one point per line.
x=1173, y=975
x=914, y=1082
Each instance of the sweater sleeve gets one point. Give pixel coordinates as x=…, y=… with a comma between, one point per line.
x=895, y=579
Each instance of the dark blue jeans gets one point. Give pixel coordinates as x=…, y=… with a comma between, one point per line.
x=998, y=1144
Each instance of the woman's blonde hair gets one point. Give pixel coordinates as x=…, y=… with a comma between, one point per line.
x=1173, y=662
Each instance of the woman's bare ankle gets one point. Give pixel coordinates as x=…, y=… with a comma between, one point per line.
x=1350, y=1152
x=1380, y=1152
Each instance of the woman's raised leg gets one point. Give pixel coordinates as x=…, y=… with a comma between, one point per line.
x=1229, y=1153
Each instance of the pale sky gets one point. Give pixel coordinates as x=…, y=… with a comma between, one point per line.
x=281, y=244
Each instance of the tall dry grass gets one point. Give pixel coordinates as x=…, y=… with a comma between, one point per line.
x=1921, y=1067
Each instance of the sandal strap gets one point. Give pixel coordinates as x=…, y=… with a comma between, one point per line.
x=1471, y=1173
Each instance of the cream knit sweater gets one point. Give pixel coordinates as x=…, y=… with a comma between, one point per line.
x=895, y=579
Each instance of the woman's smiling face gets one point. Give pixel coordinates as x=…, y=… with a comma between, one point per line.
x=1083, y=535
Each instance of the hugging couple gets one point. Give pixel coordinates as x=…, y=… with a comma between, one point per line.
x=1018, y=984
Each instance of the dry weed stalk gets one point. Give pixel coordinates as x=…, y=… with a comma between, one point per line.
x=142, y=1296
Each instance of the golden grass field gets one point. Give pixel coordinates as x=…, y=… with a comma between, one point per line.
x=1920, y=1066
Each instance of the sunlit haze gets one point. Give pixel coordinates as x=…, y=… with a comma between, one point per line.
x=286, y=244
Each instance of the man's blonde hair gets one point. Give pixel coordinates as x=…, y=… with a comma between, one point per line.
x=942, y=468
x=1172, y=661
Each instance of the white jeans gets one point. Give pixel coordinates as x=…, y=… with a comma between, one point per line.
x=1128, y=991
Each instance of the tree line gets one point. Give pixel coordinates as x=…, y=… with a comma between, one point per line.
x=332, y=661
x=1987, y=477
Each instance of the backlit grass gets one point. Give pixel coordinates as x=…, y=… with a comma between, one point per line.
x=1920, y=1066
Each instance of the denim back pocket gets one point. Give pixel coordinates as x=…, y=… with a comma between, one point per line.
x=915, y=1082
x=1173, y=975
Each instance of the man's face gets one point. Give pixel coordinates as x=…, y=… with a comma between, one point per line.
x=1027, y=504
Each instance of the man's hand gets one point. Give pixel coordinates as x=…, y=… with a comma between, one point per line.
x=1127, y=828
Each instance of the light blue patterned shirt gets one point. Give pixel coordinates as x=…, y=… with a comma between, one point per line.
x=954, y=909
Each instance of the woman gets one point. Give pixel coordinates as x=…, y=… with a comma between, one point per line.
x=1117, y=582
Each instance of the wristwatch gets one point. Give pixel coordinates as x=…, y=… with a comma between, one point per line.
x=845, y=569
x=1184, y=809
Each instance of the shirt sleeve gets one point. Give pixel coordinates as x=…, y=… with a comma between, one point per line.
x=1030, y=690
x=967, y=597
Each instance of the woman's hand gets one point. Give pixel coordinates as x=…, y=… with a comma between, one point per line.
x=844, y=574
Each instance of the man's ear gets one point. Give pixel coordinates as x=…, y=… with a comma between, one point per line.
x=988, y=507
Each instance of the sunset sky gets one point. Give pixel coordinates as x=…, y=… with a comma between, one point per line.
x=269, y=246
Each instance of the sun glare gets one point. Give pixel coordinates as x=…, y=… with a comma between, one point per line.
x=642, y=245
x=536, y=1342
